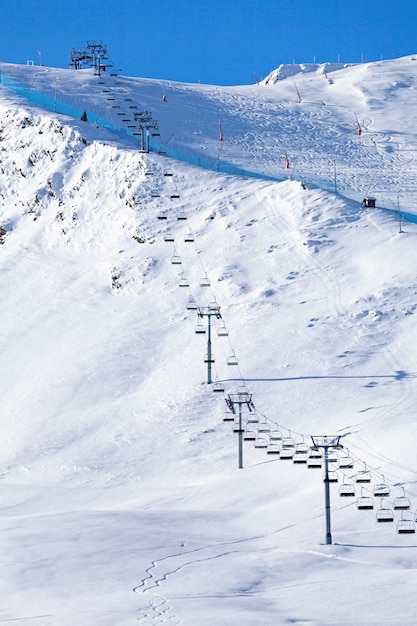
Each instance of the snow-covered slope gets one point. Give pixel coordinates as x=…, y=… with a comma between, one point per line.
x=122, y=501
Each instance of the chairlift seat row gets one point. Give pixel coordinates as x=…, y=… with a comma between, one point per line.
x=406, y=527
x=274, y=449
x=365, y=503
x=381, y=491
x=401, y=503
x=347, y=490
x=384, y=515
x=300, y=458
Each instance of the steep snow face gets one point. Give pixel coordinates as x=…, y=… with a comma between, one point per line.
x=121, y=495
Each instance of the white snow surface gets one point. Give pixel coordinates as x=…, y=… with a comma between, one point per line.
x=121, y=498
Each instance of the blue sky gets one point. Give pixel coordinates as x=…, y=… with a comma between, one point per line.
x=215, y=41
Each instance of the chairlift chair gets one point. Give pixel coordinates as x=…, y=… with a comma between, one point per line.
x=169, y=237
x=263, y=427
x=204, y=282
x=232, y=360
x=192, y=304
x=287, y=454
x=167, y=173
x=218, y=387
x=314, y=459
x=222, y=331
x=273, y=448
x=300, y=458
x=345, y=461
x=301, y=453
x=384, y=514
x=249, y=435
x=209, y=359
x=162, y=216
x=406, y=526
x=176, y=260
x=288, y=442
x=183, y=282
x=332, y=477
x=237, y=428
x=189, y=238
x=253, y=418
x=275, y=435
x=401, y=503
x=175, y=195
x=181, y=216
x=228, y=416
x=261, y=442
x=381, y=491
x=363, y=476
x=364, y=503
x=200, y=329
x=347, y=490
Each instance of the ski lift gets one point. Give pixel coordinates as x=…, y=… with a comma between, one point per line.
x=332, y=477
x=264, y=428
x=288, y=442
x=363, y=476
x=232, y=359
x=204, y=282
x=301, y=448
x=314, y=459
x=192, y=304
x=237, y=428
x=175, y=195
x=149, y=173
x=287, y=454
x=155, y=194
x=218, y=387
x=345, y=461
x=222, y=331
x=384, y=514
x=162, y=216
x=347, y=490
x=406, y=526
x=401, y=503
x=364, y=503
x=253, y=418
x=189, y=238
x=200, y=329
x=300, y=456
x=183, y=282
x=261, y=442
x=181, y=216
x=167, y=173
x=209, y=359
x=169, y=237
x=273, y=448
x=249, y=435
x=176, y=260
x=275, y=435
x=228, y=416
x=381, y=491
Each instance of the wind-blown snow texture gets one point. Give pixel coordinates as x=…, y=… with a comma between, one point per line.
x=121, y=497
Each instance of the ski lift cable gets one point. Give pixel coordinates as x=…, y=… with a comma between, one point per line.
x=391, y=462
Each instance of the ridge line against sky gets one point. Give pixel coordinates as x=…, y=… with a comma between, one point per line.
x=223, y=42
